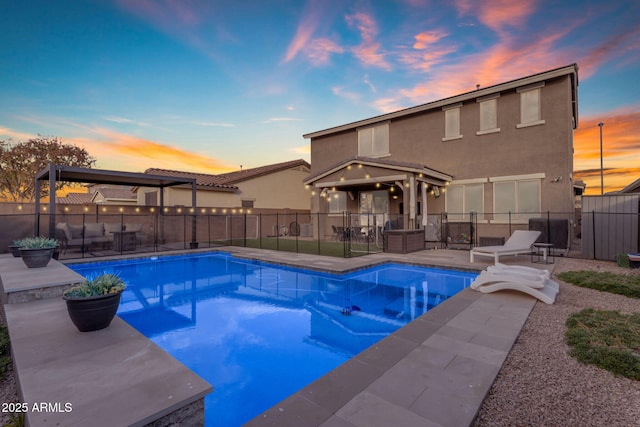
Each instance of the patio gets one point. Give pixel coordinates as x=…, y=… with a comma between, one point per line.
x=438, y=369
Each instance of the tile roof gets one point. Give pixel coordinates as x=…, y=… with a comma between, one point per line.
x=75, y=199
x=116, y=193
x=227, y=180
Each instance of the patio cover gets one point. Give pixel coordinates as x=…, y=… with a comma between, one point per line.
x=54, y=173
x=414, y=174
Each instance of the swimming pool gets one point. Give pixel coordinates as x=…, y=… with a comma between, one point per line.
x=259, y=332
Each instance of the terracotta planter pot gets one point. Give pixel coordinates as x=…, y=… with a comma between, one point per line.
x=93, y=313
x=36, y=258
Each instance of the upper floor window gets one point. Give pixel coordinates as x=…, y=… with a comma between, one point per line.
x=452, y=122
x=488, y=116
x=530, y=106
x=373, y=141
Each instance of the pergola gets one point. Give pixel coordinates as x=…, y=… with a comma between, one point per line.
x=54, y=173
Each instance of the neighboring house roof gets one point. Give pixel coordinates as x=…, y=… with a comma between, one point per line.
x=227, y=180
x=571, y=70
x=246, y=174
x=431, y=174
x=114, y=194
x=634, y=187
x=75, y=199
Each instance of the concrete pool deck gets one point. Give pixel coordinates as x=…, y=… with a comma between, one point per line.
x=436, y=371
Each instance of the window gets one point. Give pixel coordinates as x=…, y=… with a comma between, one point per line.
x=151, y=198
x=488, y=116
x=337, y=201
x=373, y=206
x=516, y=200
x=452, y=123
x=464, y=198
x=530, y=110
x=373, y=141
x=247, y=204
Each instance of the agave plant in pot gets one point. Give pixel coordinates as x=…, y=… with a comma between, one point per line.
x=92, y=304
x=37, y=251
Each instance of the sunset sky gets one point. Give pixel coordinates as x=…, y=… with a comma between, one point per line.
x=208, y=86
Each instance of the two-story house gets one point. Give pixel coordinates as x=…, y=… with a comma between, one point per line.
x=504, y=152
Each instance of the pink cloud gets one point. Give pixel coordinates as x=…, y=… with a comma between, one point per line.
x=319, y=51
x=497, y=14
x=368, y=52
x=306, y=28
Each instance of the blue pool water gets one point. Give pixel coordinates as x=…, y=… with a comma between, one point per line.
x=259, y=332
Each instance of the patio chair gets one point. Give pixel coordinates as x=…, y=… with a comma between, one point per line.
x=519, y=243
x=543, y=289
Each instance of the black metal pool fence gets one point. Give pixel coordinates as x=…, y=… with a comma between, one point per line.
x=600, y=235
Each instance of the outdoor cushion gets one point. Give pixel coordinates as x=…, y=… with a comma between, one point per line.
x=133, y=227
x=76, y=231
x=65, y=229
x=111, y=227
x=94, y=230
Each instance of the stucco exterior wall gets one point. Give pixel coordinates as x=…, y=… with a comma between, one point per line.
x=278, y=190
x=541, y=149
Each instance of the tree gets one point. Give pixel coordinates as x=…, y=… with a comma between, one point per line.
x=20, y=163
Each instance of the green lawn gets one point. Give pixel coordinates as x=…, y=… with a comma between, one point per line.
x=607, y=339
x=604, y=281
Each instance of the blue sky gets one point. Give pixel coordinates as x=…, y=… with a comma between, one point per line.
x=211, y=85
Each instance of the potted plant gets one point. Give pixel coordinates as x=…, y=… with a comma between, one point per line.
x=37, y=251
x=14, y=247
x=93, y=303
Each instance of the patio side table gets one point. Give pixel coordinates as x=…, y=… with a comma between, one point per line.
x=124, y=241
x=542, y=253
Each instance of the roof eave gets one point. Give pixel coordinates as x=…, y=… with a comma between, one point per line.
x=513, y=84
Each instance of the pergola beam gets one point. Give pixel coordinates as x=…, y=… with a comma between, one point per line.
x=54, y=173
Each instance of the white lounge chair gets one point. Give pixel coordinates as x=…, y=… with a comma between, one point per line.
x=519, y=243
x=519, y=270
x=545, y=290
x=487, y=278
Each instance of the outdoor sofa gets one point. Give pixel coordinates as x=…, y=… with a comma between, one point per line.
x=93, y=234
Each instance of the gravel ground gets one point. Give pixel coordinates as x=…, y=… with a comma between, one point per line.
x=541, y=385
